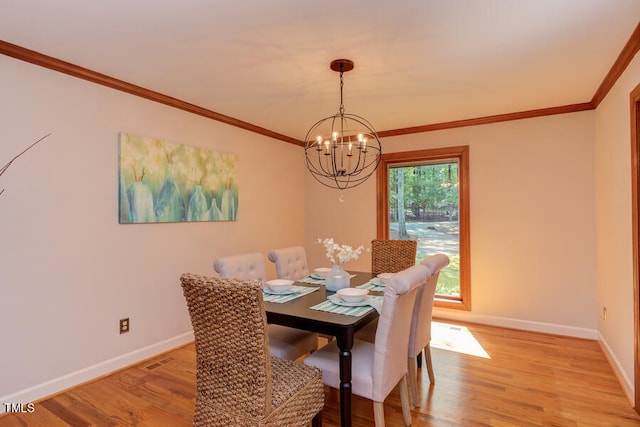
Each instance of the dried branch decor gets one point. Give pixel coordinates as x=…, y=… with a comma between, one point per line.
x=5, y=167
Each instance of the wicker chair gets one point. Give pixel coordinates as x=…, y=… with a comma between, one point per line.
x=380, y=365
x=285, y=342
x=291, y=263
x=392, y=256
x=238, y=382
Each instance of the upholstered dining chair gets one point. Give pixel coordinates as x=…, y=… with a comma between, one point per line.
x=291, y=263
x=238, y=383
x=381, y=365
x=285, y=342
x=388, y=256
x=391, y=256
x=244, y=266
x=420, y=335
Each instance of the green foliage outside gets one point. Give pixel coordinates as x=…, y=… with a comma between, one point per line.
x=449, y=279
x=429, y=191
x=429, y=200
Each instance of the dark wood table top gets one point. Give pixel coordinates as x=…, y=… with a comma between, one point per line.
x=298, y=314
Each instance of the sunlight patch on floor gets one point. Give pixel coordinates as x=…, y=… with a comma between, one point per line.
x=456, y=338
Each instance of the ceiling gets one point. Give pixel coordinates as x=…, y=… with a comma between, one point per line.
x=417, y=62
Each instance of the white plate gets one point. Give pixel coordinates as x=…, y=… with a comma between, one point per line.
x=269, y=291
x=321, y=271
x=352, y=294
x=279, y=284
x=338, y=301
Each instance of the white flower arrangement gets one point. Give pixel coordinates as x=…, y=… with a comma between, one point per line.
x=339, y=254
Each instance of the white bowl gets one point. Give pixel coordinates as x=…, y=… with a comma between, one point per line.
x=352, y=294
x=385, y=277
x=279, y=285
x=321, y=272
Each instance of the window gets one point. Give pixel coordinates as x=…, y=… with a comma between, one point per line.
x=424, y=195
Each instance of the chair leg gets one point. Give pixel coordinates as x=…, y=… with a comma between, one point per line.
x=404, y=399
x=317, y=420
x=419, y=360
x=411, y=380
x=378, y=413
x=429, y=362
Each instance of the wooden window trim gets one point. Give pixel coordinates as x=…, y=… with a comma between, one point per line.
x=461, y=153
x=635, y=224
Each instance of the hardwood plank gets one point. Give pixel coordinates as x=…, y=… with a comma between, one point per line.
x=527, y=380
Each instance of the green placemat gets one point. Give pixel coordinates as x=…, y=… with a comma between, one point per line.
x=373, y=285
x=314, y=281
x=300, y=291
x=351, y=311
x=311, y=280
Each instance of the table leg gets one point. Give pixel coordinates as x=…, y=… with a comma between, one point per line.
x=345, y=344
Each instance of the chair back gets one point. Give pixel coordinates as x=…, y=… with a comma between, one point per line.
x=232, y=346
x=291, y=263
x=392, y=256
x=392, y=334
x=420, y=334
x=245, y=266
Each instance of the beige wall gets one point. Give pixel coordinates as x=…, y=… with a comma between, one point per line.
x=68, y=270
x=540, y=188
x=532, y=220
x=613, y=213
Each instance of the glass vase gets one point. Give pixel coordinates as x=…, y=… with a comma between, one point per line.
x=197, y=208
x=140, y=203
x=337, y=278
x=170, y=204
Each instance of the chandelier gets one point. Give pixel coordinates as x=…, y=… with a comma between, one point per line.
x=343, y=150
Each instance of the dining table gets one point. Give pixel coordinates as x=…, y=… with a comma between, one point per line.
x=297, y=313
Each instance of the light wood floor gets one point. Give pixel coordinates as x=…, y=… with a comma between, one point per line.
x=512, y=378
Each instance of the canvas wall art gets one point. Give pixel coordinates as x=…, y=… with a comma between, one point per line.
x=161, y=181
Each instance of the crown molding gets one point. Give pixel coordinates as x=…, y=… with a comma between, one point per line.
x=55, y=64
x=625, y=57
x=572, y=108
x=622, y=62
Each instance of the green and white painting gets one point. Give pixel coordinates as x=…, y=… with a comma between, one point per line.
x=165, y=182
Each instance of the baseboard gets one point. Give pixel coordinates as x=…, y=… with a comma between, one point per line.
x=64, y=382
x=505, y=322
x=625, y=382
x=56, y=385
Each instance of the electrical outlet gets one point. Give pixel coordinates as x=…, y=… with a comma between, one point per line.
x=124, y=326
x=604, y=314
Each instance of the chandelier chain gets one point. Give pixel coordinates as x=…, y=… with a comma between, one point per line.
x=341, y=86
